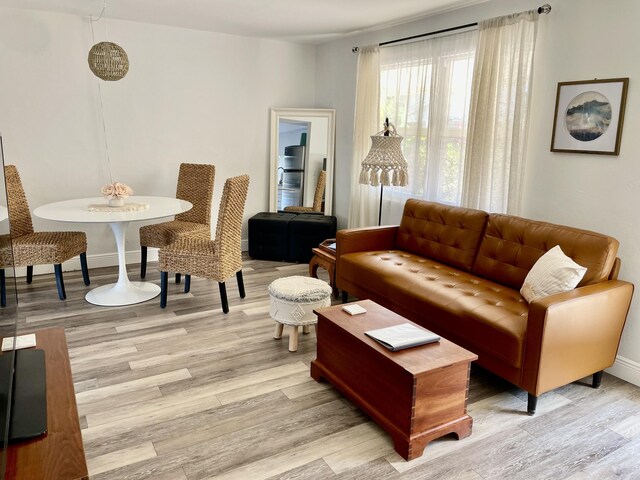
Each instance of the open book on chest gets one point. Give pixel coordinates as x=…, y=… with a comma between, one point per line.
x=405, y=335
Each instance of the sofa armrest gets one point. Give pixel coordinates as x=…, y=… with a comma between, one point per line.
x=574, y=334
x=365, y=239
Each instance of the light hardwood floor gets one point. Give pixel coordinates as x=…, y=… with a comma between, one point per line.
x=190, y=393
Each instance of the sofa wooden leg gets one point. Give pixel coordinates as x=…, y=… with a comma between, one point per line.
x=29, y=274
x=177, y=278
x=345, y=296
x=532, y=402
x=187, y=283
x=597, y=379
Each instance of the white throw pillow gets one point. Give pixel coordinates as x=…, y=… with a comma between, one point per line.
x=554, y=272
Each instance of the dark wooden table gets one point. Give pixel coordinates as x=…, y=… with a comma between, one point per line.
x=417, y=395
x=325, y=257
x=59, y=453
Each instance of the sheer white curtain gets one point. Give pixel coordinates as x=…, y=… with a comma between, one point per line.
x=425, y=91
x=363, y=210
x=499, y=113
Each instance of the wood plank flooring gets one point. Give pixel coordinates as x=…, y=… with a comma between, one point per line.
x=190, y=393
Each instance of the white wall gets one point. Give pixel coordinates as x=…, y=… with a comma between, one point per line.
x=189, y=96
x=585, y=39
x=578, y=40
x=204, y=97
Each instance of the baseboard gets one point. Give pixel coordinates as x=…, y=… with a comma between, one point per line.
x=626, y=369
x=94, y=261
x=100, y=260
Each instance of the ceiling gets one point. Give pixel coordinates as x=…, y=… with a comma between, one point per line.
x=311, y=21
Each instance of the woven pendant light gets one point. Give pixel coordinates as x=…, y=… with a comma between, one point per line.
x=385, y=164
x=108, y=61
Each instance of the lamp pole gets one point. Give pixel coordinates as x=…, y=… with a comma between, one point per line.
x=380, y=209
x=386, y=134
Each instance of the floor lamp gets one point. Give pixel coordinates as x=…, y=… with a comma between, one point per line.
x=385, y=164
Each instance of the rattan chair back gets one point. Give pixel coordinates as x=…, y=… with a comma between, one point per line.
x=228, y=240
x=317, y=198
x=320, y=186
x=195, y=185
x=18, y=207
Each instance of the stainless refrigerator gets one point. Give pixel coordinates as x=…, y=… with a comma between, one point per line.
x=291, y=181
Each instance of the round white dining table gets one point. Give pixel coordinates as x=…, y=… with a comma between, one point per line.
x=124, y=291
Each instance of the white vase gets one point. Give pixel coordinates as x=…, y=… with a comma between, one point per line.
x=116, y=202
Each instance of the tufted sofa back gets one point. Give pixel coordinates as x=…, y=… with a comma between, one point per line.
x=449, y=235
x=511, y=245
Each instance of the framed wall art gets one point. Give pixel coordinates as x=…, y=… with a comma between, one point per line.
x=589, y=116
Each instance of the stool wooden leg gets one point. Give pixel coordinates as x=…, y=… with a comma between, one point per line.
x=278, y=332
x=305, y=329
x=293, y=338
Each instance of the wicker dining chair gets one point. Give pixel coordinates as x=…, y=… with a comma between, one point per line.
x=195, y=184
x=40, y=248
x=215, y=259
x=317, y=198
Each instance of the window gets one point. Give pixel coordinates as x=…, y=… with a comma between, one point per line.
x=425, y=90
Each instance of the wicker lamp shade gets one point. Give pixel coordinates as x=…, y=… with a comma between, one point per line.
x=108, y=61
x=385, y=164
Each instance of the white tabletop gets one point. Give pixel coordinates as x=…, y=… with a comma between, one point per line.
x=77, y=210
x=123, y=292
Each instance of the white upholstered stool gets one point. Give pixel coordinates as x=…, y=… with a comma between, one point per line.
x=293, y=300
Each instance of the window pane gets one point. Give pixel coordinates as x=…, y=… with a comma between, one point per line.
x=425, y=90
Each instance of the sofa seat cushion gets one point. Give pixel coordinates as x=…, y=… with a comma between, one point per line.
x=444, y=299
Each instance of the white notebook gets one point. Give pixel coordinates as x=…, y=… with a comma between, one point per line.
x=22, y=341
x=405, y=335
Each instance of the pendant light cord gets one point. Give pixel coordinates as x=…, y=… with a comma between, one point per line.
x=104, y=7
x=104, y=125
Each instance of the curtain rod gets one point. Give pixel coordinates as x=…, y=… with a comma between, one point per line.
x=546, y=8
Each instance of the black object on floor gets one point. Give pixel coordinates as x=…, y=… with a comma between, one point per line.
x=269, y=235
x=307, y=231
x=29, y=400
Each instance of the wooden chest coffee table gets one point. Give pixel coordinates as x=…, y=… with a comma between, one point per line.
x=417, y=395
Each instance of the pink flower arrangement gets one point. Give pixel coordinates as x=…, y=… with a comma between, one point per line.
x=116, y=190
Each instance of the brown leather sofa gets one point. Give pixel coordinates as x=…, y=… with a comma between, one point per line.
x=458, y=272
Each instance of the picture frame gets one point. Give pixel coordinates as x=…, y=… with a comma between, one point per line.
x=589, y=115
